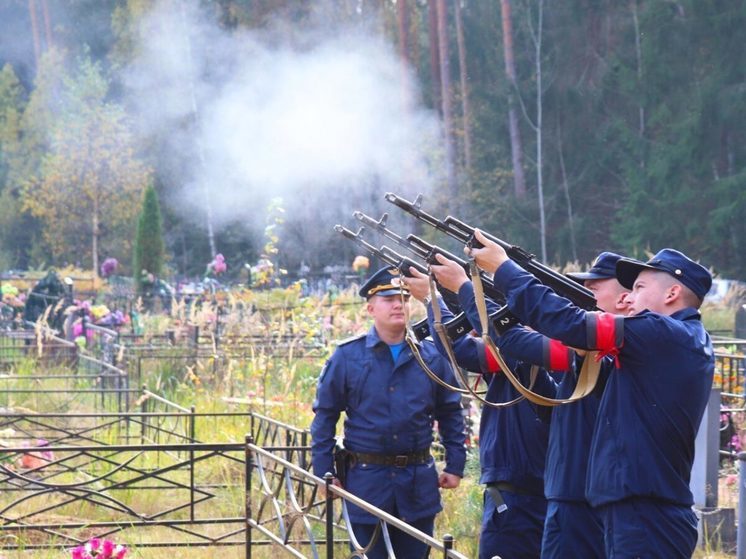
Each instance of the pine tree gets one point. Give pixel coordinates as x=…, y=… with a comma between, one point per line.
x=149, y=246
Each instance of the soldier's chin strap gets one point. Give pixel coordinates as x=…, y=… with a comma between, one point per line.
x=464, y=386
x=587, y=378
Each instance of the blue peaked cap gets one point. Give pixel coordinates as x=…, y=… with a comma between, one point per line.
x=385, y=281
x=604, y=267
x=695, y=276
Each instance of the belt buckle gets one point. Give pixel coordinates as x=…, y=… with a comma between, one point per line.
x=401, y=460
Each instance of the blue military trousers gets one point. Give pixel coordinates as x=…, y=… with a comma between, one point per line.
x=516, y=532
x=648, y=529
x=572, y=529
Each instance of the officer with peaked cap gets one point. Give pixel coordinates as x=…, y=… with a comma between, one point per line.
x=390, y=405
x=643, y=443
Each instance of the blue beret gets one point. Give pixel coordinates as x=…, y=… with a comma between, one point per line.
x=385, y=281
x=603, y=268
x=695, y=276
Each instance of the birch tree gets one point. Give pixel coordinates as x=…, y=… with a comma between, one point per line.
x=91, y=180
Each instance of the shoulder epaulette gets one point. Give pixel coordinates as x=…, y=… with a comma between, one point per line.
x=351, y=339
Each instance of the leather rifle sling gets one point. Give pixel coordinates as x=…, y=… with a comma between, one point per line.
x=587, y=378
x=445, y=341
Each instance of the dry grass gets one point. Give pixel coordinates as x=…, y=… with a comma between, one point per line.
x=283, y=388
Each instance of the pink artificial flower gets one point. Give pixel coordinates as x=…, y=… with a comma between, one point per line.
x=218, y=264
x=77, y=331
x=99, y=549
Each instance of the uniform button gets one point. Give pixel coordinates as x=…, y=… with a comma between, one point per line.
x=391, y=388
x=396, y=437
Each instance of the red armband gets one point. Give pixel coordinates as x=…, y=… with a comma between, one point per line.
x=492, y=365
x=558, y=356
x=606, y=334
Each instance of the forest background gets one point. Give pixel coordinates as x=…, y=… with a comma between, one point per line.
x=567, y=127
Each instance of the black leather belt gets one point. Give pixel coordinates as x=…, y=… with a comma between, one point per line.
x=398, y=460
x=510, y=488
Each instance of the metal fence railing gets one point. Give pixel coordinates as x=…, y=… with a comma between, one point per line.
x=188, y=495
x=87, y=454
x=285, y=509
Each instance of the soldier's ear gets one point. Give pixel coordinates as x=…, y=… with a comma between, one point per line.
x=621, y=302
x=673, y=293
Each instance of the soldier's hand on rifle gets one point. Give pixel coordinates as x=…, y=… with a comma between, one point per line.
x=449, y=273
x=418, y=283
x=490, y=257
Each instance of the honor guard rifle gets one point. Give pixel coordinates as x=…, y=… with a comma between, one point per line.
x=502, y=319
x=464, y=233
x=452, y=330
x=579, y=295
x=427, y=251
x=455, y=327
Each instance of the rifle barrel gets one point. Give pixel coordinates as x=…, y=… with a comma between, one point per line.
x=464, y=233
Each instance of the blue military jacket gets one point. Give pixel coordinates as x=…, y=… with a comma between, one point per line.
x=570, y=442
x=572, y=425
x=389, y=408
x=512, y=440
x=655, y=396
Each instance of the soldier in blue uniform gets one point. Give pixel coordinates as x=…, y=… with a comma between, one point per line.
x=512, y=440
x=642, y=448
x=572, y=527
x=390, y=405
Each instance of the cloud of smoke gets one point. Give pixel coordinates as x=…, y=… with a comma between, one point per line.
x=322, y=117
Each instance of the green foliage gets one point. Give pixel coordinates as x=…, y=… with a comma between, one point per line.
x=124, y=24
x=45, y=102
x=267, y=272
x=86, y=185
x=644, y=127
x=14, y=226
x=149, y=246
x=11, y=108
